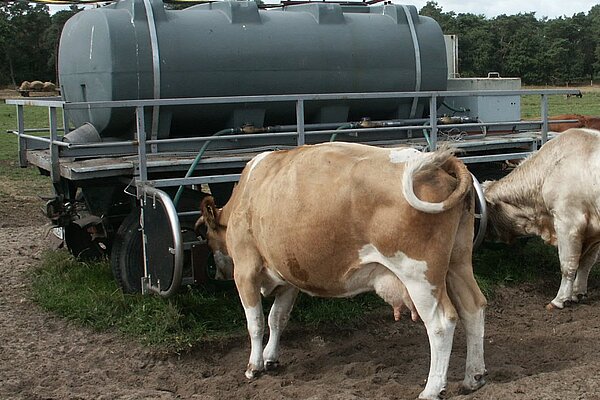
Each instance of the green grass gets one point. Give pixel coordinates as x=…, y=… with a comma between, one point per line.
x=527, y=259
x=87, y=293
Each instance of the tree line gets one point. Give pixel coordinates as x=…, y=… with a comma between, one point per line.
x=544, y=51
x=564, y=50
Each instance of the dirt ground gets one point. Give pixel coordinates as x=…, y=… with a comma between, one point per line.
x=530, y=353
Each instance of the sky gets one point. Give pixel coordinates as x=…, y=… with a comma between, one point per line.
x=542, y=8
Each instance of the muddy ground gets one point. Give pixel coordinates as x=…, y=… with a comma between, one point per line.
x=530, y=353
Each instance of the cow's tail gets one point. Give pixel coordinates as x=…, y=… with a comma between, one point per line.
x=445, y=159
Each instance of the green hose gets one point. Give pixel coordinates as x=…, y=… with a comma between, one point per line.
x=426, y=134
x=197, y=160
x=345, y=126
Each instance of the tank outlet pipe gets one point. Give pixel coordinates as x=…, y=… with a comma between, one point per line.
x=363, y=123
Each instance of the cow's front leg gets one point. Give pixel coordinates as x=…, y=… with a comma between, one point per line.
x=247, y=281
x=279, y=315
x=581, y=279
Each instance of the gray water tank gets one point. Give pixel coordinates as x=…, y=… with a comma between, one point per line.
x=135, y=49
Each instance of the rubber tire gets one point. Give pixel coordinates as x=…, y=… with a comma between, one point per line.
x=126, y=256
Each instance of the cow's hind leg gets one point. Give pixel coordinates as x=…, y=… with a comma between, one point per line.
x=438, y=315
x=581, y=279
x=470, y=304
x=285, y=296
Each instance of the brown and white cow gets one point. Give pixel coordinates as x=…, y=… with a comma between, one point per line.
x=582, y=121
x=554, y=194
x=338, y=219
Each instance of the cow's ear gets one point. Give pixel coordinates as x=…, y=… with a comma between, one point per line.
x=210, y=213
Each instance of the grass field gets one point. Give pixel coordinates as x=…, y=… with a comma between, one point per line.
x=588, y=104
x=86, y=293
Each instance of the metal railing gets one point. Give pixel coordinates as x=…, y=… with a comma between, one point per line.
x=142, y=146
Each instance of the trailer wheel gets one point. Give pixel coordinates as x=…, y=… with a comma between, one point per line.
x=127, y=257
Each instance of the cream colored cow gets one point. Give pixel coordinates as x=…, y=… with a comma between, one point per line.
x=554, y=194
x=338, y=219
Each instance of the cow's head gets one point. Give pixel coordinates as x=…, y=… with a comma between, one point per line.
x=500, y=218
x=215, y=233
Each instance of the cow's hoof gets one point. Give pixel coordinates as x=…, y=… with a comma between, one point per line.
x=568, y=303
x=554, y=306
x=271, y=365
x=473, y=384
x=252, y=372
x=581, y=297
x=430, y=396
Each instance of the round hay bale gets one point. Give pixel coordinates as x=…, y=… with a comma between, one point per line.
x=49, y=87
x=37, y=85
x=26, y=85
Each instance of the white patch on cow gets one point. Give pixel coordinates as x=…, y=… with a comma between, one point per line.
x=403, y=155
x=590, y=131
x=254, y=162
x=409, y=271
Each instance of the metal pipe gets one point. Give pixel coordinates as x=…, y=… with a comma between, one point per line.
x=544, y=119
x=286, y=98
x=141, y=137
x=300, y=122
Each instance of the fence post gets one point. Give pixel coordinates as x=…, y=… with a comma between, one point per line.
x=300, y=121
x=433, y=122
x=22, y=141
x=54, y=162
x=141, y=142
x=544, y=118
